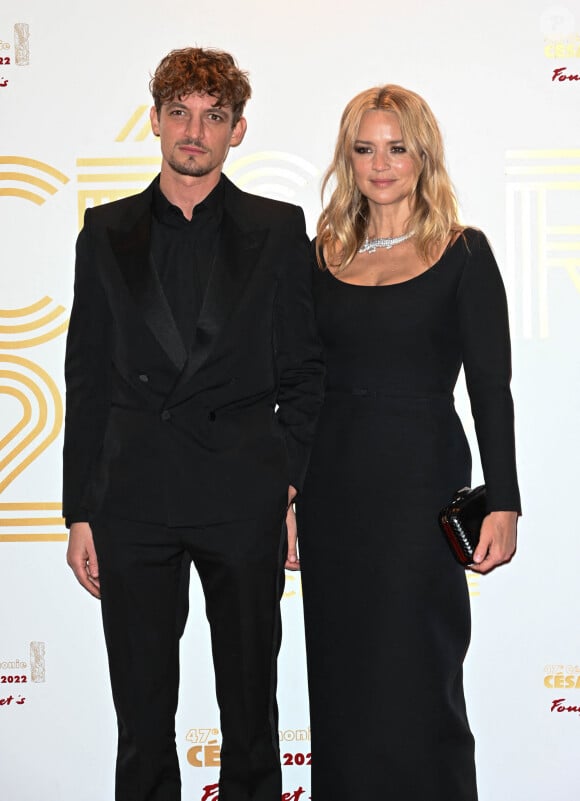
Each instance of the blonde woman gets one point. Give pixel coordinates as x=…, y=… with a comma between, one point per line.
x=404, y=296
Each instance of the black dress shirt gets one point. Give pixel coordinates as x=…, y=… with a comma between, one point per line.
x=184, y=252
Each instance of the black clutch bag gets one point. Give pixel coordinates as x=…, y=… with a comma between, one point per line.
x=461, y=522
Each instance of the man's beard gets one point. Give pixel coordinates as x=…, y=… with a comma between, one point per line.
x=190, y=168
x=193, y=170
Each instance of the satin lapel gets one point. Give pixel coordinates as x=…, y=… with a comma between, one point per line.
x=236, y=258
x=132, y=251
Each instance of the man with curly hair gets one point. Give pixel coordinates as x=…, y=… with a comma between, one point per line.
x=194, y=379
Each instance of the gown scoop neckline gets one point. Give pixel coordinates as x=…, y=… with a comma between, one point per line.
x=430, y=269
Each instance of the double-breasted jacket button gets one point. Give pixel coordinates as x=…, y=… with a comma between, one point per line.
x=211, y=417
x=165, y=415
x=144, y=378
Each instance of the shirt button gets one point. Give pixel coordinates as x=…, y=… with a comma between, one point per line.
x=144, y=378
x=165, y=415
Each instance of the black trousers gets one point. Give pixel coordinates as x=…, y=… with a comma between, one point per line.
x=144, y=574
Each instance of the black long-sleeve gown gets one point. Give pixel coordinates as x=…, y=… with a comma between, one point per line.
x=386, y=607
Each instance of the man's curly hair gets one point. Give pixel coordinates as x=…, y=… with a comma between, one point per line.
x=203, y=71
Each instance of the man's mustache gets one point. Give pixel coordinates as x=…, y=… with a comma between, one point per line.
x=192, y=143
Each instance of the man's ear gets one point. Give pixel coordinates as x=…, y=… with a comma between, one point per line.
x=154, y=120
x=238, y=132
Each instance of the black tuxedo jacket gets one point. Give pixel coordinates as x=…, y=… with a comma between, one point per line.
x=159, y=434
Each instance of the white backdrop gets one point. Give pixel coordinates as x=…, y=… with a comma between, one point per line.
x=73, y=128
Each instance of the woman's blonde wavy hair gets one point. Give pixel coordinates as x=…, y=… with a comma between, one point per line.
x=342, y=226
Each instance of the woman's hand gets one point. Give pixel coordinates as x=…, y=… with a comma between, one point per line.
x=497, y=541
x=292, y=561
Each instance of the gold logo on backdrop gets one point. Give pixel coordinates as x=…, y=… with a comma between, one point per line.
x=17, y=674
x=33, y=325
x=102, y=180
x=138, y=125
x=562, y=677
x=21, y=56
x=205, y=751
x=543, y=232
x=293, y=586
x=32, y=400
x=21, y=43
x=473, y=583
x=37, y=662
x=273, y=173
x=34, y=415
x=561, y=37
x=44, y=179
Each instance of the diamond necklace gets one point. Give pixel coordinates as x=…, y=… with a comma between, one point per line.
x=370, y=245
